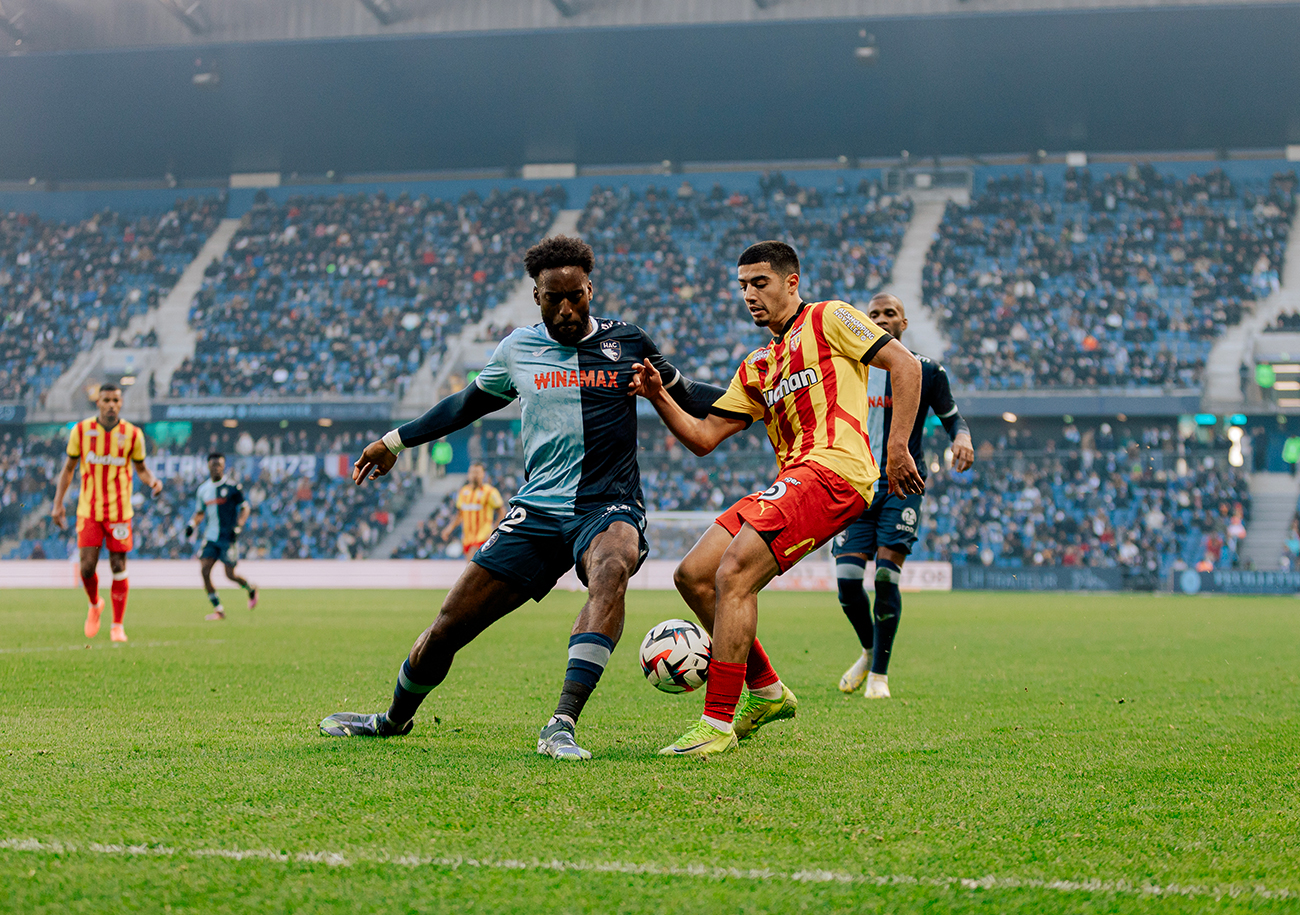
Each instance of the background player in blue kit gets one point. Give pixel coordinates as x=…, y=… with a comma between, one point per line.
x=221, y=510
x=581, y=502
x=888, y=528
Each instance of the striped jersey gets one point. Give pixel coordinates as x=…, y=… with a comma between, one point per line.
x=477, y=505
x=809, y=387
x=106, y=471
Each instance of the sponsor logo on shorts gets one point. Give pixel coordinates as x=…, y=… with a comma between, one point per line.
x=773, y=492
x=801, y=546
x=491, y=540
x=796, y=382
x=120, y=531
x=909, y=516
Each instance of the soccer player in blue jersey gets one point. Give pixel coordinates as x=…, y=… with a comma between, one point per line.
x=220, y=507
x=581, y=502
x=888, y=528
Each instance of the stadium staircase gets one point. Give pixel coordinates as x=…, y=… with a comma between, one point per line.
x=419, y=512
x=170, y=321
x=432, y=380
x=1223, y=388
x=1272, y=506
x=923, y=334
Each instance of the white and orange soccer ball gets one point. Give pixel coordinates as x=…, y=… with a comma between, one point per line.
x=675, y=656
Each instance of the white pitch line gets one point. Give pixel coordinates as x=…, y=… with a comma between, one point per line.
x=989, y=882
x=107, y=646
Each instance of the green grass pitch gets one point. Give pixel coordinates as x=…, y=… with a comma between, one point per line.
x=1042, y=753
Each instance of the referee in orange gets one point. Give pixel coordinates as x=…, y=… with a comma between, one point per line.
x=106, y=448
x=479, y=508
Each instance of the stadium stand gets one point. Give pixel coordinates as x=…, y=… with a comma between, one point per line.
x=305, y=505
x=1141, y=497
x=348, y=295
x=666, y=259
x=66, y=285
x=1114, y=279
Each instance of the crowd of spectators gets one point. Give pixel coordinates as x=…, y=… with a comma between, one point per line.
x=666, y=259
x=1143, y=498
x=1121, y=279
x=305, y=504
x=1287, y=322
x=66, y=285
x=350, y=294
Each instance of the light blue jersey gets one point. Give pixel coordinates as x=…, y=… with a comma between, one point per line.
x=579, y=424
x=219, y=500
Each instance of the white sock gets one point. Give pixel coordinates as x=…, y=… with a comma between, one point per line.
x=775, y=691
x=718, y=724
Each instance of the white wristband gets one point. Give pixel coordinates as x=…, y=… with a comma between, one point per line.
x=394, y=442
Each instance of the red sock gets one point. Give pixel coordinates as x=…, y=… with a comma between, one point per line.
x=119, y=591
x=758, y=669
x=91, y=584
x=723, y=690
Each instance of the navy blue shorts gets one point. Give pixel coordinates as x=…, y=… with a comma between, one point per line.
x=531, y=550
x=890, y=521
x=224, y=551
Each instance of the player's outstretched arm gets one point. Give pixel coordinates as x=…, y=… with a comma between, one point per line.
x=147, y=478
x=700, y=436
x=905, y=379
x=443, y=418
x=57, y=511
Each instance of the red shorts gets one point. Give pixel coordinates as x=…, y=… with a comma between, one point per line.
x=116, y=535
x=803, y=509
x=471, y=547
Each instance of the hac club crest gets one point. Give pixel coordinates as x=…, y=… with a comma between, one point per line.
x=612, y=349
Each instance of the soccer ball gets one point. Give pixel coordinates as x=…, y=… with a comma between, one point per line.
x=675, y=656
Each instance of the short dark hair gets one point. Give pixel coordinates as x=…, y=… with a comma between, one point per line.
x=559, y=251
x=107, y=386
x=216, y=454
x=777, y=253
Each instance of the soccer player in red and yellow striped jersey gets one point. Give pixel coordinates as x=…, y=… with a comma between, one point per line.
x=479, y=508
x=106, y=448
x=809, y=386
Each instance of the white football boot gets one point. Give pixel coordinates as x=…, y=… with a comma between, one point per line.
x=877, y=687
x=854, y=676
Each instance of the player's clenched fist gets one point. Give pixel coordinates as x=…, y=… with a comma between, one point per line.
x=374, y=462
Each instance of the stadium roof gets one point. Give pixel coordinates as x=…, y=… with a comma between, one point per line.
x=63, y=25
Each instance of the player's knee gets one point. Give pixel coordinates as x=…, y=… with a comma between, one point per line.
x=690, y=578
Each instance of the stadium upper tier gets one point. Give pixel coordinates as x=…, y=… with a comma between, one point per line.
x=666, y=259
x=65, y=285
x=348, y=295
x=1109, y=279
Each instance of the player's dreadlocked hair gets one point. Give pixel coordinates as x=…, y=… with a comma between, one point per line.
x=559, y=251
x=777, y=253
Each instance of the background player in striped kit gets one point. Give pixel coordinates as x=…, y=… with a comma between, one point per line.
x=479, y=508
x=581, y=502
x=221, y=507
x=888, y=528
x=106, y=448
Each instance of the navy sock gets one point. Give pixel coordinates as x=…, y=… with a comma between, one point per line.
x=407, y=696
x=889, y=607
x=588, y=654
x=849, y=572
x=213, y=599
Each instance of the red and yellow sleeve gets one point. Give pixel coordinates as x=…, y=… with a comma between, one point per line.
x=737, y=400
x=851, y=333
x=494, y=499
x=74, y=441
x=137, y=447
